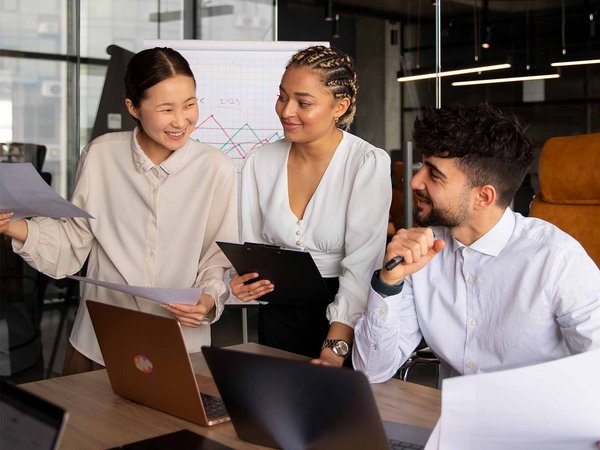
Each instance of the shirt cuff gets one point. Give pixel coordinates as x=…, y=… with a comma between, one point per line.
x=30, y=244
x=218, y=291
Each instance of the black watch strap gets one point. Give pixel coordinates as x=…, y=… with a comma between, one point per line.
x=385, y=289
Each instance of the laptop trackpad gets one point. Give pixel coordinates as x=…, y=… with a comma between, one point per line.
x=407, y=433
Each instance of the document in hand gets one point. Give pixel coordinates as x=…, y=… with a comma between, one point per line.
x=24, y=192
x=293, y=272
x=188, y=296
x=554, y=405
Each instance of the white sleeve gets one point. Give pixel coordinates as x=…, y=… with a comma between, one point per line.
x=386, y=335
x=222, y=226
x=576, y=299
x=250, y=205
x=365, y=237
x=55, y=247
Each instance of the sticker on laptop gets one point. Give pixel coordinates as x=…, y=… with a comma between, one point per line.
x=143, y=364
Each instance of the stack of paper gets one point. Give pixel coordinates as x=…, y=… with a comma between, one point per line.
x=554, y=405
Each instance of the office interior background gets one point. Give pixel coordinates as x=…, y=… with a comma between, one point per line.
x=54, y=60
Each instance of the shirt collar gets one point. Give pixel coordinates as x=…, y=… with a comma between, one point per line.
x=492, y=242
x=170, y=165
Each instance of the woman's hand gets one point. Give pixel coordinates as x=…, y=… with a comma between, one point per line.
x=328, y=358
x=192, y=315
x=4, y=221
x=252, y=291
x=16, y=229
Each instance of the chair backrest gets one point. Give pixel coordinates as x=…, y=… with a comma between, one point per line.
x=22, y=152
x=569, y=194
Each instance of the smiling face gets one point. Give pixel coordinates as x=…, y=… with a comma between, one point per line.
x=306, y=108
x=444, y=194
x=167, y=113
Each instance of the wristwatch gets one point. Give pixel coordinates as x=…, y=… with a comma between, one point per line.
x=338, y=346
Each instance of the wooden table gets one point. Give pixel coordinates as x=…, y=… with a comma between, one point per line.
x=98, y=418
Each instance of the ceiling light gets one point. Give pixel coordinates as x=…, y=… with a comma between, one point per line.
x=329, y=15
x=449, y=73
x=506, y=80
x=335, y=27
x=575, y=63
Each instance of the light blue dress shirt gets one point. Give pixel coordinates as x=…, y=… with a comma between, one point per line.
x=522, y=294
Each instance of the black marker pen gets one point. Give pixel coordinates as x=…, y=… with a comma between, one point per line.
x=395, y=261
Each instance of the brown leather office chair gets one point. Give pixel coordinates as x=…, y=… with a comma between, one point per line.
x=569, y=196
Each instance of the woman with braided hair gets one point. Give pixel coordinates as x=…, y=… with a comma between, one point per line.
x=323, y=190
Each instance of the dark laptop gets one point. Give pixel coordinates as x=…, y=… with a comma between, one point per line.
x=295, y=405
x=27, y=421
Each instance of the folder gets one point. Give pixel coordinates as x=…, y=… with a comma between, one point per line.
x=293, y=272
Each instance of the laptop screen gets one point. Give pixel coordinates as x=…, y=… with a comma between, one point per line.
x=28, y=422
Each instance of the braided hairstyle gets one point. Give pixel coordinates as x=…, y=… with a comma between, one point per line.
x=337, y=73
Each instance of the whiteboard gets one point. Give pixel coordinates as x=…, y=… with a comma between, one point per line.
x=237, y=83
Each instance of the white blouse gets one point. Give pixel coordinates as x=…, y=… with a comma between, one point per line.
x=344, y=224
x=154, y=225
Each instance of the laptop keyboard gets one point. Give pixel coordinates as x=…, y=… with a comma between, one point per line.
x=213, y=406
x=401, y=445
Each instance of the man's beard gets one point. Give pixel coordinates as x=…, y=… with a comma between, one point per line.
x=438, y=217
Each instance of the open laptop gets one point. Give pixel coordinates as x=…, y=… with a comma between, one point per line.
x=147, y=362
x=295, y=405
x=27, y=421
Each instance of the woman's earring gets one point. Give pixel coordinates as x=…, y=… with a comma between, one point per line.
x=336, y=119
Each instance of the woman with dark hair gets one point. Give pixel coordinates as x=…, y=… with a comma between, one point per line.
x=323, y=190
x=159, y=202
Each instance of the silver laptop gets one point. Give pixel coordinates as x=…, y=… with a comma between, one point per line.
x=147, y=362
x=27, y=421
x=296, y=405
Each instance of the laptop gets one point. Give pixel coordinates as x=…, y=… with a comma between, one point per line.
x=147, y=362
x=295, y=405
x=27, y=421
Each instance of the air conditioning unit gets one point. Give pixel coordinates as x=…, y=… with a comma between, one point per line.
x=51, y=88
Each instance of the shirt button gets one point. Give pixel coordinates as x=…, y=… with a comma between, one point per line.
x=299, y=222
x=381, y=311
x=472, y=322
x=298, y=233
x=471, y=279
x=299, y=243
x=469, y=364
x=375, y=347
x=467, y=251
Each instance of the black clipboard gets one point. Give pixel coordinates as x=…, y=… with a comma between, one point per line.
x=294, y=273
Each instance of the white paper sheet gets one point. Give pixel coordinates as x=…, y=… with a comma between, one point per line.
x=188, y=296
x=24, y=192
x=549, y=406
x=433, y=443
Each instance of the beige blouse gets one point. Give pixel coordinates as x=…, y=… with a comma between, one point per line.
x=154, y=225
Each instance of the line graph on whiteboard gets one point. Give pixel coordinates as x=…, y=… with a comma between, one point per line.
x=236, y=94
x=234, y=142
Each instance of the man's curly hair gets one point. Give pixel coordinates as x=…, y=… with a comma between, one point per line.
x=490, y=147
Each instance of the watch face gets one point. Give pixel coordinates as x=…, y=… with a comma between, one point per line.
x=340, y=348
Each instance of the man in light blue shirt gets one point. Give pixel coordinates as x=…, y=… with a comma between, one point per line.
x=487, y=288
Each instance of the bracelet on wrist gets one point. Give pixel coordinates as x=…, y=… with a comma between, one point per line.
x=383, y=288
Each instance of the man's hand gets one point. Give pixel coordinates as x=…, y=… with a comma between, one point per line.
x=417, y=246
x=252, y=291
x=192, y=315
